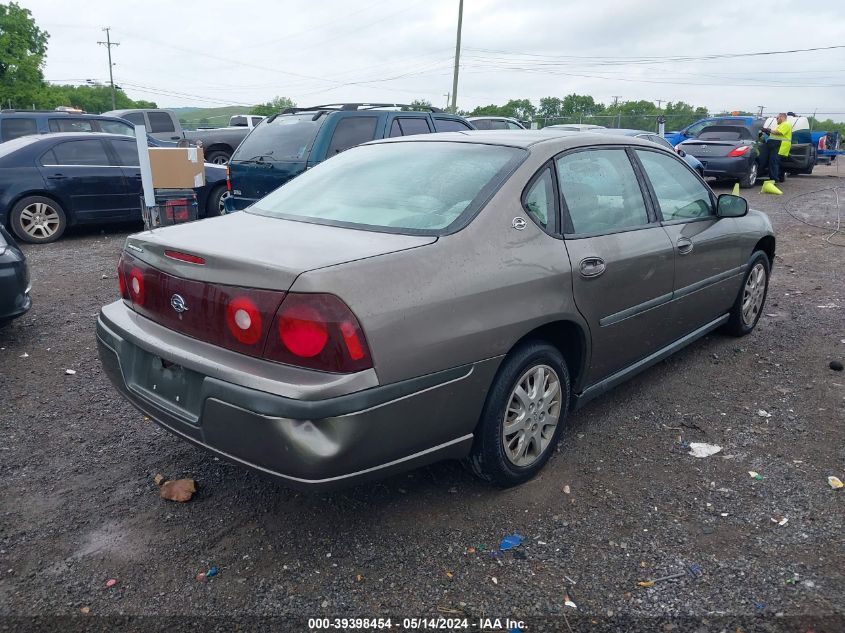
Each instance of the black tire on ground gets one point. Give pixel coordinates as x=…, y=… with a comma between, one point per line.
x=29, y=211
x=737, y=325
x=487, y=459
x=214, y=204
x=808, y=170
x=750, y=179
x=218, y=157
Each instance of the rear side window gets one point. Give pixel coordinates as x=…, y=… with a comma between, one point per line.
x=70, y=125
x=450, y=125
x=352, y=131
x=238, y=121
x=539, y=200
x=412, y=126
x=127, y=153
x=601, y=191
x=15, y=128
x=136, y=118
x=680, y=194
x=90, y=153
x=513, y=126
x=286, y=137
x=482, y=125
x=160, y=122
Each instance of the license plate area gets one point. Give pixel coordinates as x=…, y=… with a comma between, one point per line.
x=168, y=384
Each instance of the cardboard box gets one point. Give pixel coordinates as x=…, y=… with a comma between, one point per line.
x=177, y=167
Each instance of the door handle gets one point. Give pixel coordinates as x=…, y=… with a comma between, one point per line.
x=685, y=246
x=592, y=266
x=57, y=177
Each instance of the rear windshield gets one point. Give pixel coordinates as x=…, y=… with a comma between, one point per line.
x=287, y=137
x=417, y=187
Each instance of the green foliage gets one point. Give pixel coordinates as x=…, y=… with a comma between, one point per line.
x=417, y=104
x=827, y=125
x=572, y=108
x=22, y=49
x=521, y=109
x=272, y=107
x=95, y=99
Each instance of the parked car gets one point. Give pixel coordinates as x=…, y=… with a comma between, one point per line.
x=694, y=129
x=727, y=152
x=574, y=127
x=17, y=123
x=285, y=145
x=14, y=280
x=50, y=182
x=803, y=151
x=218, y=143
x=495, y=123
x=412, y=300
x=690, y=160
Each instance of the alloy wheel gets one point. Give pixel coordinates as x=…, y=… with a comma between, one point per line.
x=39, y=220
x=532, y=415
x=752, y=174
x=753, y=294
x=221, y=201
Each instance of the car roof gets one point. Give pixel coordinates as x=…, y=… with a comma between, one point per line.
x=52, y=113
x=621, y=131
x=559, y=139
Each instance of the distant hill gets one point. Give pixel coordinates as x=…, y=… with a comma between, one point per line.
x=192, y=118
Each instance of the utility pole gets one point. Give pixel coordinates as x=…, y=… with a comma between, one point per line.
x=108, y=44
x=447, y=95
x=659, y=101
x=457, y=58
x=616, y=99
x=760, y=113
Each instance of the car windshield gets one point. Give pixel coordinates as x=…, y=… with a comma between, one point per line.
x=287, y=137
x=416, y=187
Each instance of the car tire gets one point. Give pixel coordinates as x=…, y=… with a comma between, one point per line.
x=214, y=204
x=523, y=458
x=218, y=157
x=754, y=288
x=750, y=179
x=38, y=220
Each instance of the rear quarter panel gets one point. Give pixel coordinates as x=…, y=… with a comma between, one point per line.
x=467, y=297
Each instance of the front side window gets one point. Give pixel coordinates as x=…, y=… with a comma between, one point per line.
x=422, y=187
x=16, y=128
x=352, y=131
x=539, y=200
x=680, y=194
x=160, y=122
x=513, y=126
x=117, y=127
x=601, y=191
x=70, y=125
x=82, y=153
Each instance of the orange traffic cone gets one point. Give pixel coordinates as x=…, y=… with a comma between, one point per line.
x=769, y=187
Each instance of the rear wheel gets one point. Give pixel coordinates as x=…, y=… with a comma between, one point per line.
x=38, y=220
x=523, y=416
x=218, y=157
x=750, y=179
x=214, y=206
x=749, y=302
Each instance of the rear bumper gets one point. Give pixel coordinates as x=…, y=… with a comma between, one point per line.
x=719, y=168
x=315, y=444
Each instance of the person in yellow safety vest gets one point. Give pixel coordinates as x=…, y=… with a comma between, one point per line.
x=780, y=140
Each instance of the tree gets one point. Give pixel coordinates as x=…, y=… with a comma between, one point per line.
x=521, y=109
x=273, y=107
x=417, y=104
x=94, y=98
x=550, y=108
x=22, y=49
x=680, y=114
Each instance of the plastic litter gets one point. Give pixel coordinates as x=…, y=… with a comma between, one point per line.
x=835, y=482
x=111, y=582
x=450, y=575
x=755, y=475
x=180, y=490
x=85, y=610
x=211, y=573
x=70, y=372
x=495, y=580
x=793, y=580
x=566, y=489
x=780, y=520
x=158, y=479
x=510, y=542
x=201, y=576
x=835, y=365
x=24, y=355
x=359, y=578
x=567, y=601
x=763, y=413
x=700, y=449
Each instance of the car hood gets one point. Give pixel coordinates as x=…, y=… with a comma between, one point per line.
x=244, y=249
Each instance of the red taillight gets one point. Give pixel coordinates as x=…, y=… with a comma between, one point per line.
x=121, y=280
x=136, y=286
x=318, y=331
x=244, y=320
x=185, y=257
x=739, y=151
x=228, y=178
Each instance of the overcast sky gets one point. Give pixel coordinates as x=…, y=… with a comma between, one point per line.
x=211, y=52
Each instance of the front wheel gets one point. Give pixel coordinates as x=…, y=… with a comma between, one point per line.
x=750, y=179
x=38, y=220
x=218, y=157
x=523, y=416
x=749, y=302
x=216, y=201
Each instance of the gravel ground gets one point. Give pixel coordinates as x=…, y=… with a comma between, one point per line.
x=622, y=502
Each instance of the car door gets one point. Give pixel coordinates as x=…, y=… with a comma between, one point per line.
x=162, y=126
x=83, y=173
x=126, y=154
x=708, y=249
x=622, y=258
x=351, y=131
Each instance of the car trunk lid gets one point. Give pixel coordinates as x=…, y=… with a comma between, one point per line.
x=711, y=149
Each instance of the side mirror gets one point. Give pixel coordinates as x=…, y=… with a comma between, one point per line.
x=730, y=206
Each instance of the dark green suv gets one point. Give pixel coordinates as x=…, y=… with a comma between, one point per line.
x=285, y=145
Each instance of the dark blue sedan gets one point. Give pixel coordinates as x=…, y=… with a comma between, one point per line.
x=50, y=182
